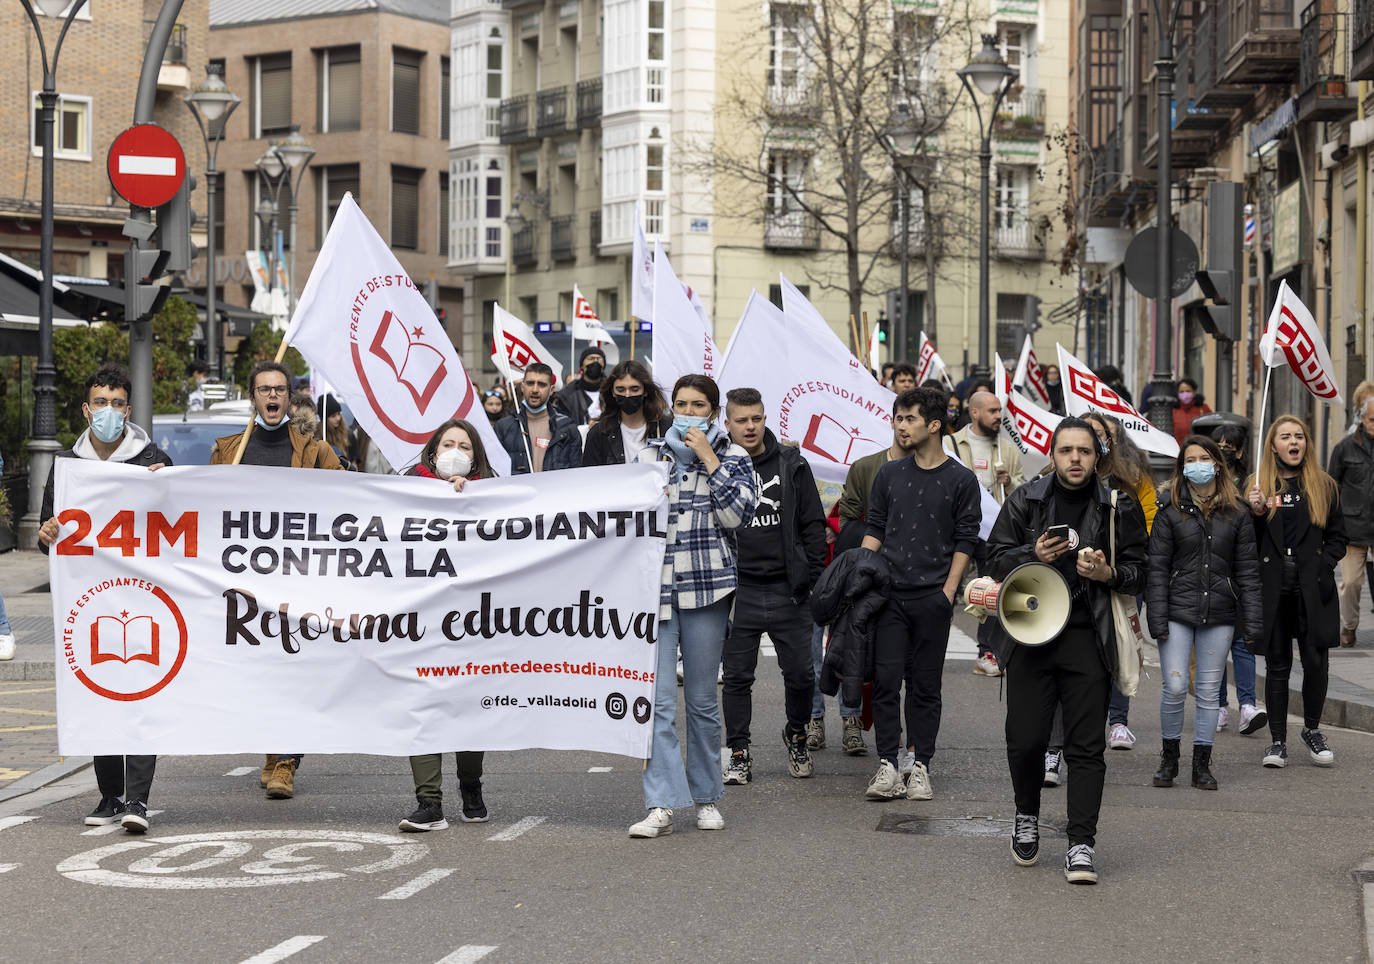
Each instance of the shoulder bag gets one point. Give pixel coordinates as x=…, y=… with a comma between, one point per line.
x=1130, y=638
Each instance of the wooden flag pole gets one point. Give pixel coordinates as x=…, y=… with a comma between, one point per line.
x=854, y=336
x=864, y=357
x=243, y=441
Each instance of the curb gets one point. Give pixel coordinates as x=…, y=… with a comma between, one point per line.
x=39, y=779
x=1347, y=705
x=27, y=669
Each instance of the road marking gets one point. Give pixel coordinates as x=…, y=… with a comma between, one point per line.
x=8, y=774
x=7, y=822
x=516, y=829
x=467, y=954
x=284, y=950
x=600, y=769
x=6, y=868
x=15, y=709
x=418, y=884
x=242, y=771
x=25, y=729
x=45, y=689
x=110, y=828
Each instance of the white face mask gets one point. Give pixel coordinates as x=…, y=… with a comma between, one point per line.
x=451, y=463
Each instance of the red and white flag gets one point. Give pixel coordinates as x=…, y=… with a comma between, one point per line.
x=514, y=347
x=1084, y=392
x=586, y=326
x=1026, y=424
x=1029, y=376
x=682, y=341
x=365, y=327
x=1292, y=338
x=929, y=364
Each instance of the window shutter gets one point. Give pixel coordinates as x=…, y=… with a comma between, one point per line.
x=275, y=107
x=405, y=92
x=345, y=89
x=445, y=103
x=405, y=209
x=443, y=214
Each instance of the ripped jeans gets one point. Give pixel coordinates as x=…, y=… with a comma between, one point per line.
x=1212, y=644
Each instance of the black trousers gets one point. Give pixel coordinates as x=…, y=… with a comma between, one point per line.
x=1278, y=662
x=130, y=777
x=909, y=644
x=766, y=609
x=1067, y=673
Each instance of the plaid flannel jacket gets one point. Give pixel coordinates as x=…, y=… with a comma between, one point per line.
x=705, y=509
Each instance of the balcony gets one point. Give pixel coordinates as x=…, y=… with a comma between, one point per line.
x=588, y=104
x=517, y=4
x=1208, y=93
x=515, y=119
x=790, y=231
x=1362, y=41
x=916, y=235
x=1257, y=42
x=1017, y=242
x=522, y=247
x=1022, y=114
x=172, y=73
x=1015, y=10
x=563, y=238
x=552, y=112
x=798, y=101
x=1323, y=93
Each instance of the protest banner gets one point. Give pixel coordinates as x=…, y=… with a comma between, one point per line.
x=1084, y=392
x=514, y=346
x=208, y=609
x=1029, y=378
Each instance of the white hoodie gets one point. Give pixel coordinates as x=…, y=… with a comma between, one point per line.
x=135, y=440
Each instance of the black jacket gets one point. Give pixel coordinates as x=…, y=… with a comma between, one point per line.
x=572, y=399
x=605, y=446
x=848, y=598
x=1202, y=571
x=803, y=519
x=1352, y=466
x=1317, y=552
x=565, y=442
x=148, y=455
x=1025, y=517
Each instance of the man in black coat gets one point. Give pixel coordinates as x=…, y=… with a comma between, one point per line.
x=580, y=398
x=1074, y=670
x=538, y=436
x=1352, y=466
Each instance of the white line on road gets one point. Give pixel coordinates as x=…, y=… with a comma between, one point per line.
x=241, y=771
x=418, y=884
x=110, y=828
x=467, y=954
x=7, y=822
x=515, y=830
x=600, y=769
x=6, y=868
x=284, y=950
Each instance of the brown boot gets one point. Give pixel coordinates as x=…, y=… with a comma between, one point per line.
x=1347, y=638
x=282, y=784
x=266, y=773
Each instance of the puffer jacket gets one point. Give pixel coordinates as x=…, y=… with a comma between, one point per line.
x=848, y=598
x=1203, y=571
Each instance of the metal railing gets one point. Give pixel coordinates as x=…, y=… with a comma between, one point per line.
x=552, y=111
x=1363, y=27
x=1322, y=36
x=176, y=44
x=588, y=103
x=1025, y=113
x=563, y=237
x=1205, y=50
x=794, y=229
x=798, y=98
x=522, y=247
x=515, y=119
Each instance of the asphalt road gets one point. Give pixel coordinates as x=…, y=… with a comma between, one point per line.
x=1263, y=870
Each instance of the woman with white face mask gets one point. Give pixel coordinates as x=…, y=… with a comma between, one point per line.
x=453, y=454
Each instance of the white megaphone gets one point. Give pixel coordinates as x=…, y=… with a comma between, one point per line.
x=1032, y=602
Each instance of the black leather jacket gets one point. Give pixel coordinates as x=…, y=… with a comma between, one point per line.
x=1352, y=466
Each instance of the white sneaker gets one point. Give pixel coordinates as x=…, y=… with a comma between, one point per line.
x=6, y=646
x=986, y=665
x=918, y=784
x=1252, y=719
x=709, y=817
x=887, y=783
x=905, y=760
x=679, y=672
x=1223, y=717
x=658, y=823
x=1121, y=738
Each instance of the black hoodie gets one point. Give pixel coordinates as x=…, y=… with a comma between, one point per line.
x=761, y=556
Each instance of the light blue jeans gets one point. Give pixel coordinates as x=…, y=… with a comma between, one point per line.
x=5, y=629
x=817, y=697
x=701, y=635
x=1212, y=643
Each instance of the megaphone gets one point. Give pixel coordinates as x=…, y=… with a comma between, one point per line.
x=1032, y=602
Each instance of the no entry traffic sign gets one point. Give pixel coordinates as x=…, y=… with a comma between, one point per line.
x=146, y=165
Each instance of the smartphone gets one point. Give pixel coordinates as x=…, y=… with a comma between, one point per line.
x=1058, y=532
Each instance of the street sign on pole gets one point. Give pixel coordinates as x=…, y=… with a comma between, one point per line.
x=146, y=165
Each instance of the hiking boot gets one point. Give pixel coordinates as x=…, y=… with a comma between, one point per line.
x=1054, y=767
x=741, y=768
x=853, y=740
x=281, y=785
x=1025, y=840
x=1317, y=749
x=886, y=783
x=986, y=665
x=815, y=733
x=1168, y=765
x=657, y=823
x=1276, y=756
x=474, y=807
x=1202, y=769
x=918, y=783
x=135, y=819
x=1078, y=865
x=798, y=756
x=429, y=815
x=266, y=773
x=1252, y=719
x=108, y=811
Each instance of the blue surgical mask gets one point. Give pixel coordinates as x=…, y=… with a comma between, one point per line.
x=531, y=409
x=1200, y=473
x=107, y=424
x=684, y=422
x=261, y=422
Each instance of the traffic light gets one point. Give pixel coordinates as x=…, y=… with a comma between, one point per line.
x=1220, y=280
x=174, y=222
x=143, y=297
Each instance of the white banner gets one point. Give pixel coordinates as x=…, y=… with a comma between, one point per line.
x=368, y=330
x=252, y=609
x=1084, y=392
x=1293, y=338
x=682, y=340
x=514, y=347
x=1029, y=377
x=815, y=393
x=587, y=327
x=1027, y=425
x=929, y=364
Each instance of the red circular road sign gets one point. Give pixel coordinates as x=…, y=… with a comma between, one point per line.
x=146, y=165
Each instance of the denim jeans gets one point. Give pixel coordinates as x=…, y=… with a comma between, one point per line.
x=701, y=635
x=1212, y=643
x=5, y=629
x=1245, y=674
x=817, y=697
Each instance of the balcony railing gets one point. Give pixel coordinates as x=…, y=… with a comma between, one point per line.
x=1362, y=41
x=793, y=100
x=916, y=235
x=1323, y=93
x=522, y=247
x=552, y=111
x=588, y=103
x=791, y=231
x=1258, y=41
x=176, y=43
x=1017, y=240
x=1023, y=115
x=563, y=238
x=515, y=119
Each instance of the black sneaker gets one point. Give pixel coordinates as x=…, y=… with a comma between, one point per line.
x=1078, y=865
x=474, y=809
x=1054, y=766
x=740, y=770
x=1276, y=756
x=1025, y=840
x=428, y=816
x=1317, y=749
x=109, y=811
x=798, y=756
x=135, y=818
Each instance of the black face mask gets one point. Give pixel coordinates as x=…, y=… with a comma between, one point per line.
x=629, y=404
x=593, y=372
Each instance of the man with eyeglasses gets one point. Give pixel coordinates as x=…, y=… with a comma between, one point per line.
x=124, y=781
x=271, y=442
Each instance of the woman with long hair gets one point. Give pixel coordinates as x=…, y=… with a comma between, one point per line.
x=710, y=495
x=1204, y=587
x=632, y=413
x=1300, y=533
x=439, y=461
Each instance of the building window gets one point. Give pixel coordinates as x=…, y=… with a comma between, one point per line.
x=71, y=133
x=608, y=304
x=334, y=182
x=340, y=89
x=784, y=183
x=405, y=208
x=405, y=91
x=445, y=98
x=784, y=47
x=656, y=32
x=443, y=213
x=653, y=167
x=495, y=74
x=654, y=74
x=1011, y=324
x=271, y=94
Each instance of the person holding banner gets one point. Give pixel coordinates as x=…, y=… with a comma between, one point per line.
x=632, y=415
x=1300, y=532
x=111, y=436
x=538, y=433
x=580, y=398
x=454, y=453
x=268, y=441
x=711, y=495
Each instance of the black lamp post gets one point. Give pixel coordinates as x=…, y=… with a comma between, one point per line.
x=211, y=104
x=900, y=140
x=295, y=153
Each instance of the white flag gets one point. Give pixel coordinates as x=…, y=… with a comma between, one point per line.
x=366, y=327
x=1029, y=377
x=815, y=393
x=641, y=271
x=1084, y=392
x=514, y=346
x=1026, y=424
x=874, y=361
x=586, y=326
x=929, y=364
x=682, y=344
x=1292, y=338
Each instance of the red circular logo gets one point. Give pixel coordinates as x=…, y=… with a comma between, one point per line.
x=124, y=638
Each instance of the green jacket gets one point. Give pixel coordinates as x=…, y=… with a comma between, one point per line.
x=858, y=484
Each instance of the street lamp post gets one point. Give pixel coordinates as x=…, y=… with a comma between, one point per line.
x=272, y=170
x=990, y=75
x=296, y=153
x=43, y=445
x=211, y=104
x=1162, y=381
x=900, y=140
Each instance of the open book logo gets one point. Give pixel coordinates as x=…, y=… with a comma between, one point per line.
x=418, y=366
x=124, y=638
x=831, y=440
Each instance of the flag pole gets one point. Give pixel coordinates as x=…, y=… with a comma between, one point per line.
x=863, y=357
x=1264, y=402
x=854, y=335
x=243, y=440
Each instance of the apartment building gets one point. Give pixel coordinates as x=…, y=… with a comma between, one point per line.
x=568, y=115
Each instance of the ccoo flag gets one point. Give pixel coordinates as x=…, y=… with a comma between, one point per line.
x=1084, y=392
x=1292, y=338
x=1029, y=376
x=586, y=326
x=514, y=347
x=1029, y=426
x=365, y=326
x=929, y=364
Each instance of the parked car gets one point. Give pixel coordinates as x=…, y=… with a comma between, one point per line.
x=189, y=438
